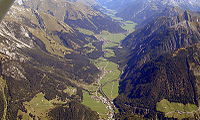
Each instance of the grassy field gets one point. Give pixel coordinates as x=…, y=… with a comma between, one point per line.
x=111, y=72
x=85, y=31
x=25, y=116
x=39, y=106
x=111, y=89
x=94, y=105
x=109, y=53
x=126, y=25
x=70, y=91
x=2, y=84
x=129, y=26
x=176, y=110
x=111, y=40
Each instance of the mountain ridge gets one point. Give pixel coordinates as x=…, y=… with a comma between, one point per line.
x=76, y=14
x=146, y=9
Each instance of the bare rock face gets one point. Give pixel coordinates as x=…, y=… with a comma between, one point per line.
x=161, y=66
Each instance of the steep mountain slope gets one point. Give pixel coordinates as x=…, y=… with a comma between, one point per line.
x=165, y=34
x=44, y=66
x=145, y=82
x=76, y=14
x=173, y=77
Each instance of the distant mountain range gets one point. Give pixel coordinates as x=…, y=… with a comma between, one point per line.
x=141, y=10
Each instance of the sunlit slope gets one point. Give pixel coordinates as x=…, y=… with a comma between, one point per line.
x=76, y=14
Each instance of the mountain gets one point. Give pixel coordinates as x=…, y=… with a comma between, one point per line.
x=164, y=34
x=139, y=11
x=44, y=61
x=77, y=14
x=161, y=65
x=115, y=4
x=89, y=2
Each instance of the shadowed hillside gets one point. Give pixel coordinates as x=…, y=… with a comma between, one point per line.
x=150, y=77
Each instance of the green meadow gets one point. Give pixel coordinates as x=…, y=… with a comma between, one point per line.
x=95, y=105
x=176, y=110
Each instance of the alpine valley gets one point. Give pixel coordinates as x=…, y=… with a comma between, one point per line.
x=100, y=60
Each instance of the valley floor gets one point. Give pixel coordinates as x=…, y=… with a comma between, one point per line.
x=100, y=98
